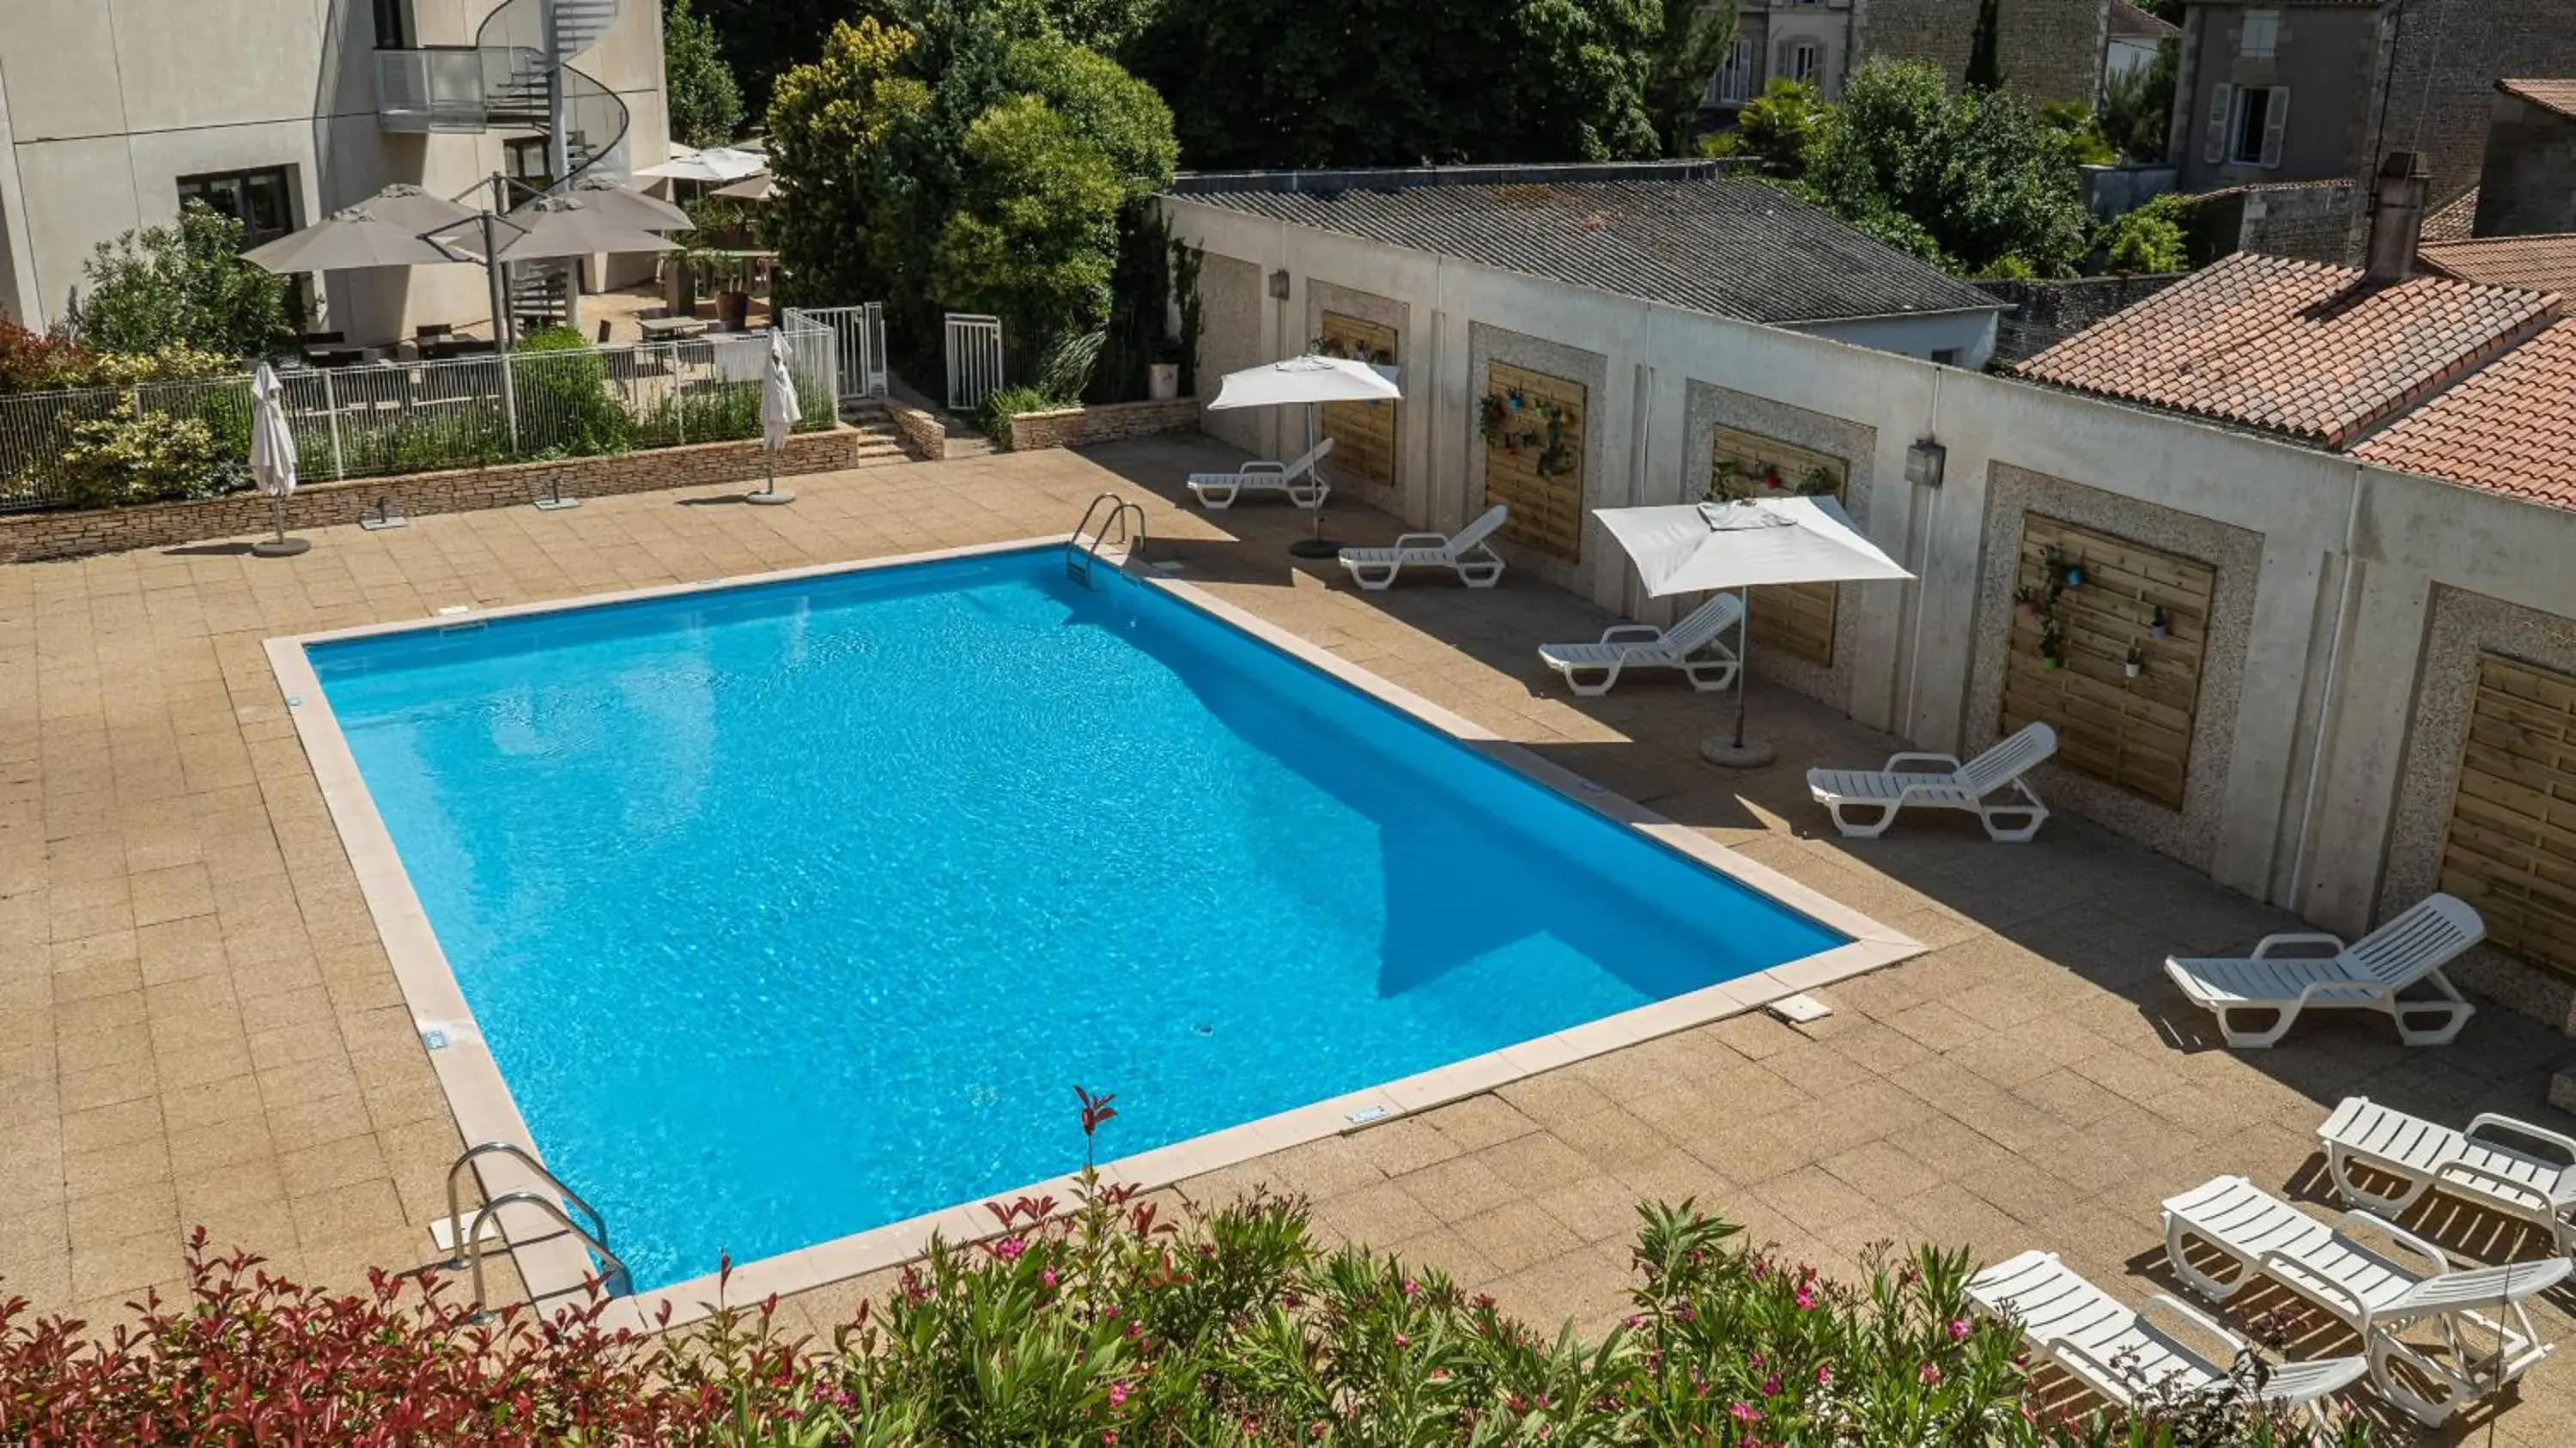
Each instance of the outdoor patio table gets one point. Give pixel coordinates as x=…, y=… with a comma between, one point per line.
x=663, y=329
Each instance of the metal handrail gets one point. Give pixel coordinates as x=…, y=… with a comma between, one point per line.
x=617, y=1281
x=525, y=1158
x=1079, y=556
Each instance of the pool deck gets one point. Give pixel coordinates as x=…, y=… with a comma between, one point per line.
x=200, y=1025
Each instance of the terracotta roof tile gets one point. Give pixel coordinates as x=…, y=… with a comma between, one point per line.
x=2510, y=429
x=2539, y=263
x=2128, y=22
x=2292, y=347
x=2549, y=95
x=2456, y=220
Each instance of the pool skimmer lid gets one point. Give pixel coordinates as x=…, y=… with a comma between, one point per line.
x=1799, y=1010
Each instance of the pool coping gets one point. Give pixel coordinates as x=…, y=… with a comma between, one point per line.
x=553, y=1266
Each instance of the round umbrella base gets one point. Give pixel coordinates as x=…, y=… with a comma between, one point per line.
x=1317, y=548
x=280, y=547
x=781, y=495
x=1725, y=753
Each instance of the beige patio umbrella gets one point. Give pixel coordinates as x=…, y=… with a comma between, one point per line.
x=383, y=230
x=550, y=228
x=758, y=188
x=628, y=206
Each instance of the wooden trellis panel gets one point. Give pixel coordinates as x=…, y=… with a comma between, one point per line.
x=1794, y=618
x=2511, y=848
x=2135, y=733
x=1363, y=433
x=1547, y=509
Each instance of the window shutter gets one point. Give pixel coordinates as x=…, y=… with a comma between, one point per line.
x=1784, y=59
x=2276, y=121
x=2222, y=102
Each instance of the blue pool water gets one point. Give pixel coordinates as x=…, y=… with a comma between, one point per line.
x=799, y=908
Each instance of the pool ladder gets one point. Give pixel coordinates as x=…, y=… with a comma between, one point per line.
x=468, y=1238
x=1080, y=554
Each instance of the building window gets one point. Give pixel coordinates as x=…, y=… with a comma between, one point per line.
x=525, y=160
x=1946, y=356
x=2262, y=35
x=1735, y=79
x=2254, y=137
x=262, y=201
x=393, y=25
x=1806, y=58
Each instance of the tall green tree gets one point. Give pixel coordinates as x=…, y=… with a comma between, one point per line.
x=1281, y=83
x=1775, y=129
x=1693, y=44
x=1974, y=181
x=1985, y=56
x=706, y=105
x=2137, y=105
x=181, y=285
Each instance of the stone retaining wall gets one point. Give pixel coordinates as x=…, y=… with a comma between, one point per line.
x=1076, y=426
x=924, y=432
x=26, y=538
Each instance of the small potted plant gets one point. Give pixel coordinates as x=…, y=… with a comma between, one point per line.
x=1489, y=419
x=1163, y=374
x=2052, y=647
x=2161, y=626
x=2136, y=662
x=2026, y=602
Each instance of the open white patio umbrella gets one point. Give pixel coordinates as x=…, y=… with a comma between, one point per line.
x=550, y=228
x=713, y=166
x=758, y=188
x=272, y=460
x=779, y=414
x=1312, y=381
x=1704, y=547
x=629, y=207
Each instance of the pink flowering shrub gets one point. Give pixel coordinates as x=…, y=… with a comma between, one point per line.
x=1108, y=1324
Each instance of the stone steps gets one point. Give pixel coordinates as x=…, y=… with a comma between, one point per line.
x=878, y=441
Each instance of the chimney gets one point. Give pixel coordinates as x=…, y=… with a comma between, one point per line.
x=2396, y=219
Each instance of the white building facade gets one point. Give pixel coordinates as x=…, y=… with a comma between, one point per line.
x=280, y=112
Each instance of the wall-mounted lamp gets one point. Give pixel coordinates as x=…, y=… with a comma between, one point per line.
x=1279, y=285
x=1924, y=461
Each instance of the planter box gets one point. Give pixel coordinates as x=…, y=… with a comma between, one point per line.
x=1079, y=426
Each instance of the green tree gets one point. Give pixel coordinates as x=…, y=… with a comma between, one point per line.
x=1283, y=83
x=2079, y=131
x=1694, y=42
x=2137, y=105
x=181, y=285
x=706, y=105
x=1774, y=129
x=2149, y=239
x=1985, y=57
x=1964, y=180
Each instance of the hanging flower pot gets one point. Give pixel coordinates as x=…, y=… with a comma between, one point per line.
x=2075, y=575
x=2136, y=663
x=2026, y=602
x=1515, y=402
x=2160, y=625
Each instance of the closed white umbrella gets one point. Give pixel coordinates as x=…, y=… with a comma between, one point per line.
x=779, y=414
x=272, y=459
x=1307, y=380
x=1703, y=547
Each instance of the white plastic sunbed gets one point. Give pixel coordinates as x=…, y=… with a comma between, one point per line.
x=2483, y=1164
x=1218, y=491
x=2128, y=1357
x=1465, y=553
x=2368, y=974
x=1989, y=786
x=1690, y=645
x=2376, y=1295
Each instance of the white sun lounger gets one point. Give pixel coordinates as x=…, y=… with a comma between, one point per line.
x=2128, y=1357
x=2484, y=1165
x=2376, y=1295
x=1218, y=491
x=1690, y=645
x=2368, y=974
x=1465, y=553
x=1989, y=786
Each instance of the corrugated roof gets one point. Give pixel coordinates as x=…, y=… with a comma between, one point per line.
x=2510, y=429
x=2292, y=347
x=1733, y=248
x=2545, y=263
x=2549, y=95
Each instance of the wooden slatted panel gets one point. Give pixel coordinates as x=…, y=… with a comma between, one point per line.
x=2135, y=733
x=1796, y=618
x=1363, y=433
x=2511, y=847
x=1547, y=511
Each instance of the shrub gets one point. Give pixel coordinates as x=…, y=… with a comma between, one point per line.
x=184, y=284
x=564, y=406
x=2149, y=239
x=993, y=418
x=38, y=361
x=153, y=458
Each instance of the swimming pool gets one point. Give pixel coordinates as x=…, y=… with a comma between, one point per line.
x=792, y=909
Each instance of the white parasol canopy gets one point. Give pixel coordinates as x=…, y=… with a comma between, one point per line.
x=758, y=188
x=1304, y=380
x=272, y=458
x=629, y=207
x=1703, y=547
x=714, y=164
x=554, y=228
x=779, y=413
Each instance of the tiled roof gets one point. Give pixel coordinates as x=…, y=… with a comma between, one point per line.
x=2549, y=95
x=2128, y=22
x=2537, y=263
x=2291, y=347
x=1687, y=236
x=2456, y=220
x=2511, y=428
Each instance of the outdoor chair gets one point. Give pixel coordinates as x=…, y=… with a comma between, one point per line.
x=2377, y=1295
x=1296, y=480
x=1990, y=786
x=1465, y=553
x=2493, y=1164
x=2369, y=974
x=1690, y=645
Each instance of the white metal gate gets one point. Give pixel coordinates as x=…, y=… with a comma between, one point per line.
x=974, y=360
x=858, y=347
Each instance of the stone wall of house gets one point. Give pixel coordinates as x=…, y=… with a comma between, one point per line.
x=28, y=537
x=2045, y=313
x=2049, y=49
x=2310, y=220
x=2441, y=60
x=1078, y=426
x=2528, y=186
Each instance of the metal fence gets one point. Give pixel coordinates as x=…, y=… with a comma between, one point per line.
x=859, y=345
x=80, y=448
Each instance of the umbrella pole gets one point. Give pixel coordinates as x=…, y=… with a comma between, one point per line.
x=1738, y=754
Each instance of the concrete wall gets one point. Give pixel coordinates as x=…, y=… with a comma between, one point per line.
x=2528, y=186
x=2329, y=570
x=104, y=104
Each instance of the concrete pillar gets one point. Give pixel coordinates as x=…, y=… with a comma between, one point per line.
x=2284, y=670
x=2336, y=877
